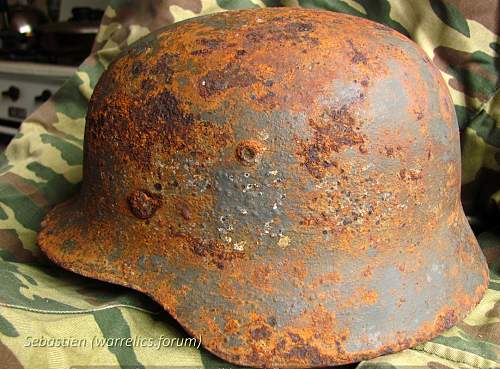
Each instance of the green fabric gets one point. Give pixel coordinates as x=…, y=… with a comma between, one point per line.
x=42, y=166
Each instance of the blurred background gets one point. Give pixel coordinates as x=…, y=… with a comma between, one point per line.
x=41, y=44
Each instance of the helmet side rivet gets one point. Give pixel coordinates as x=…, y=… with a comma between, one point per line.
x=143, y=204
x=248, y=152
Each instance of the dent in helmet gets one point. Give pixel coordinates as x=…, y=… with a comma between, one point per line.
x=143, y=203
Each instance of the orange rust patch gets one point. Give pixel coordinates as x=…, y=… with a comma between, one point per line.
x=339, y=130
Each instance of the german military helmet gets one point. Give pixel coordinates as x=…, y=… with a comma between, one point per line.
x=284, y=182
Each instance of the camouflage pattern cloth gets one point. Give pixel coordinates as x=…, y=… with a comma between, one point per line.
x=50, y=318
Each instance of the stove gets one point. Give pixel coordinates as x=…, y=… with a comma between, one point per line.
x=35, y=64
x=24, y=86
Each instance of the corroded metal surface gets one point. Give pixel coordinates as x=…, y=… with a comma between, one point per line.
x=284, y=182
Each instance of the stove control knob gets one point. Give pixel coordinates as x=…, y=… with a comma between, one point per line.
x=44, y=96
x=12, y=93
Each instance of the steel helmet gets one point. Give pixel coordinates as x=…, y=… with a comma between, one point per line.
x=284, y=182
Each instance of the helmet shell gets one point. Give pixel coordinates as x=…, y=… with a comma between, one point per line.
x=284, y=182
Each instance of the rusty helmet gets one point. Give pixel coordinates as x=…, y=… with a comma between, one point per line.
x=284, y=182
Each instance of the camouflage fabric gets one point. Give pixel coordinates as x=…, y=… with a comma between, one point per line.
x=50, y=318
